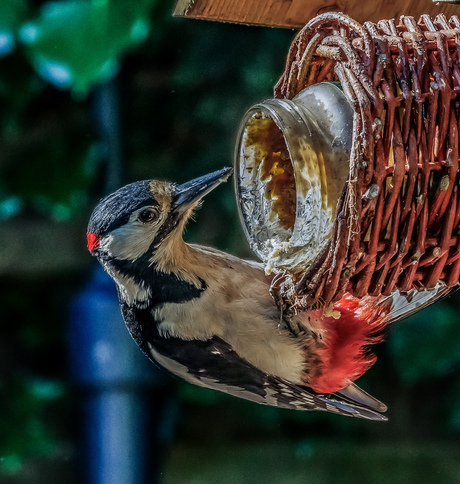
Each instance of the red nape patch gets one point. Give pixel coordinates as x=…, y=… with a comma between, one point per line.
x=345, y=355
x=93, y=241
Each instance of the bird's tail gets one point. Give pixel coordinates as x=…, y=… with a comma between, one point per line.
x=358, y=324
x=350, y=402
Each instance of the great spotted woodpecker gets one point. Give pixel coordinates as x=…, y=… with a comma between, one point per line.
x=209, y=318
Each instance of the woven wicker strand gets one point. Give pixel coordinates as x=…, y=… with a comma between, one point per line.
x=397, y=220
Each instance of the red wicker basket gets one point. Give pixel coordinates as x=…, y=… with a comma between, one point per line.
x=397, y=223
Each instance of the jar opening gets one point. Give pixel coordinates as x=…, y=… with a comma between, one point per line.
x=291, y=165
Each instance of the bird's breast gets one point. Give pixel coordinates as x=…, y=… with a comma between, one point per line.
x=232, y=305
x=249, y=324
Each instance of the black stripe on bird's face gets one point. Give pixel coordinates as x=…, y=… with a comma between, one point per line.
x=163, y=287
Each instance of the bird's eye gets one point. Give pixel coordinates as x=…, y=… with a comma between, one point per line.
x=146, y=216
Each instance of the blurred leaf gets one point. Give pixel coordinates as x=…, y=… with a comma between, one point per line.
x=10, y=207
x=24, y=410
x=61, y=155
x=12, y=13
x=426, y=345
x=78, y=43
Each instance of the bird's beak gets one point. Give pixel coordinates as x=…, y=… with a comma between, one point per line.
x=193, y=191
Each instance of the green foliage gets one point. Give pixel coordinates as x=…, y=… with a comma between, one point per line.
x=427, y=344
x=75, y=45
x=24, y=433
x=12, y=14
x=108, y=27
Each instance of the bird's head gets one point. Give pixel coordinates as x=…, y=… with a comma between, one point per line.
x=137, y=219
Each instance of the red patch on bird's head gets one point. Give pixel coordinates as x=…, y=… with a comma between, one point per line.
x=93, y=241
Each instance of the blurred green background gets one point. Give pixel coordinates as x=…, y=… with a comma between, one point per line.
x=182, y=87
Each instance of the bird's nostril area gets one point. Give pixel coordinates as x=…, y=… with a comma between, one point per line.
x=93, y=241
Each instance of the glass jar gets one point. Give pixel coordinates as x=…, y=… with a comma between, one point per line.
x=291, y=165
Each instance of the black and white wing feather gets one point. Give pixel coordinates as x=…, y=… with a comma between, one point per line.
x=212, y=363
x=402, y=305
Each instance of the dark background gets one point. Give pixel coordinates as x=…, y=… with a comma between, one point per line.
x=182, y=88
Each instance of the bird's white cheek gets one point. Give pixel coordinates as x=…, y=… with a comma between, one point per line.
x=130, y=242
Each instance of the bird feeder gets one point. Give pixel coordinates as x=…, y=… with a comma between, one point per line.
x=391, y=220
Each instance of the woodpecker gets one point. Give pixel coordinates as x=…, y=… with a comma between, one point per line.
x=209, y=317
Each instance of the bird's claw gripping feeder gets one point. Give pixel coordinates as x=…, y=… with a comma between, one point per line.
x=354, y=189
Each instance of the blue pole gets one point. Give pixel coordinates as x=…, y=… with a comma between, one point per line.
x=115, y=377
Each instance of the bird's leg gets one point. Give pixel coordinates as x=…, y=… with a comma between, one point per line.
x=287, y=311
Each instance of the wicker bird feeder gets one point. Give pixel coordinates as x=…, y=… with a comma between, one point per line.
x=397, y=220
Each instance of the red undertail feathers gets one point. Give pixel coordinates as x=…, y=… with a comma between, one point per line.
x=345, y=353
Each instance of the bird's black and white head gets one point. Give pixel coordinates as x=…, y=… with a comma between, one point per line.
x=132, y=224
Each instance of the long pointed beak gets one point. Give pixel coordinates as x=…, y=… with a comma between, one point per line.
x=193, y=191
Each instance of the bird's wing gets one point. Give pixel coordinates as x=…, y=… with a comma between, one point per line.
x=214, y=364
